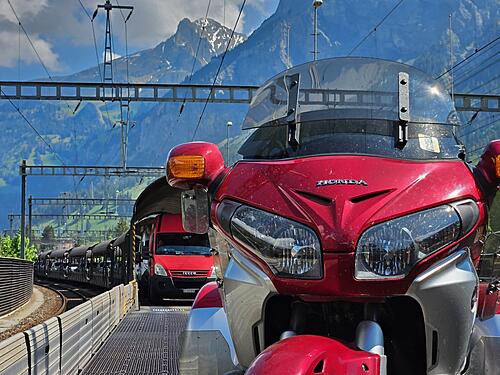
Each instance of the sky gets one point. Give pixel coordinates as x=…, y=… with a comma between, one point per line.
x=61, y=30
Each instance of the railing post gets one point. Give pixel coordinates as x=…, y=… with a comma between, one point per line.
x=30, y=219
x=22, y=172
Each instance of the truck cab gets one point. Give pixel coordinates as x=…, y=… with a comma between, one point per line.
x=180, y=262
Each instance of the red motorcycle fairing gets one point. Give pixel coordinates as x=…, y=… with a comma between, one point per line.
x=340, y=213
x=309, y=354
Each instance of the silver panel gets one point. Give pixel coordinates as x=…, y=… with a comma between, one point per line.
x=485, y=347
x=212, y=319
x=70, y=350
x=100, y=320
x=444, y=293
x=14, y=355
x=85, y=333
x=44, y=347
x=246, y=288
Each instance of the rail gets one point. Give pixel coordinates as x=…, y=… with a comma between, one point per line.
x=16, y=283
x=65, y=343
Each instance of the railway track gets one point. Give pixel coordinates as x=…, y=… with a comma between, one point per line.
x=72, y=294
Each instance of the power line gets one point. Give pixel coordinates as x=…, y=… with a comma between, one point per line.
x=477, y=50
x=93, y=34
x=32, y=127
x=472, y=131
x=29, y=40
x=219, y=69
x=181, y=108
x=477, y=72
x=375, y=28
x=476, y=66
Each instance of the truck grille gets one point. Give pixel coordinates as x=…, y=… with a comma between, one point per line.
x=190, y=273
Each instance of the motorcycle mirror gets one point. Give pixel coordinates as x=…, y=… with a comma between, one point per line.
x=194, y=165
x=195, y=211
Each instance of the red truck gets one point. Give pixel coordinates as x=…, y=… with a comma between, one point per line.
x=180, y=263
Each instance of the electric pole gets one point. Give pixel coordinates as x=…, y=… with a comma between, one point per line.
x=316, y=5
x=108, y=74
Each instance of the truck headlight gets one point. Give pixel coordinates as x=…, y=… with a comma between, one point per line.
x=391, y=249
x=213, y=274
x=289, y=248
x=159, y=270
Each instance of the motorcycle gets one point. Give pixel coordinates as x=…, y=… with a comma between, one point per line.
x=349, y=238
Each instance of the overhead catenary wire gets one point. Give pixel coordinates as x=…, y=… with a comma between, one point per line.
x=374, y=29
x=474, y=130
x=94, y=37
x=38, y=134
x=183, y=104
x=476, y=51
x=219, y=69
x=29, y=40
x=483, y=68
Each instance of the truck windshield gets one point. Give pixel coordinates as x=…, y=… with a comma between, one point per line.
x=350, y=106
x=182, y=244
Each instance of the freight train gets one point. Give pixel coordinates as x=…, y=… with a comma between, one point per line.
x=167, y=261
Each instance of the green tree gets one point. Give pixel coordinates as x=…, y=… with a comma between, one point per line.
x=121, y=227
x=48, y=234
x=10, y=247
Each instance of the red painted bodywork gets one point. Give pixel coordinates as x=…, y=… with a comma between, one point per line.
x=214, y=163
x=488, y=303
x=340, y=213
x=301, y=355
x=208, y=296
x=487, y=163
x=175, y=264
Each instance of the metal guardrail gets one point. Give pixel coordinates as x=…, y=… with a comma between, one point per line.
x=16, y=283
x=65, y=344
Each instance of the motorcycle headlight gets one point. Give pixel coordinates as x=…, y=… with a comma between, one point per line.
x=289, y=248
x=391, y=249
x=159, y=270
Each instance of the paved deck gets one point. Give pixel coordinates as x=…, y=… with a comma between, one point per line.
x=146, y=342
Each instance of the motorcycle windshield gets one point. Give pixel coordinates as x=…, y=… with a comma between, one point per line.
x=351, y=105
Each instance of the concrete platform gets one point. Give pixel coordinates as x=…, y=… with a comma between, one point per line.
x=44, y=303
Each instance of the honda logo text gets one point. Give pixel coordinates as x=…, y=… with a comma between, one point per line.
x=341, y=182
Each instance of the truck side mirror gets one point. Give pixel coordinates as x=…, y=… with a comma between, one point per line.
x=194, y=165
x=489, y=166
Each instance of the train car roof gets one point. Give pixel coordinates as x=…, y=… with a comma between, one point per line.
x=79, y=251
x=158, y=197
x=121, y=239
x=44, y=254
x=102, y=247
x=59, y=253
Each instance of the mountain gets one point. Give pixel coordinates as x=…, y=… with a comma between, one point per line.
x=171, y=60
x=88, y=137
x=416, y=32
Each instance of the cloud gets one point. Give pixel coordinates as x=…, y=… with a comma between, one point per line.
x=57, y=24
x=9, y=43
x=10, y=36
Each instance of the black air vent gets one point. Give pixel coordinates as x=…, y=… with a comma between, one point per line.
x=364, y=197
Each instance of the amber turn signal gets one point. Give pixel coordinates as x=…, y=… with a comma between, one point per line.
x=186, y=166
x=497, y=165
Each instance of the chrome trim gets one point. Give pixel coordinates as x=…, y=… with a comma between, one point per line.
x=370, y=338
x=444, y=293
x=246, y=289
